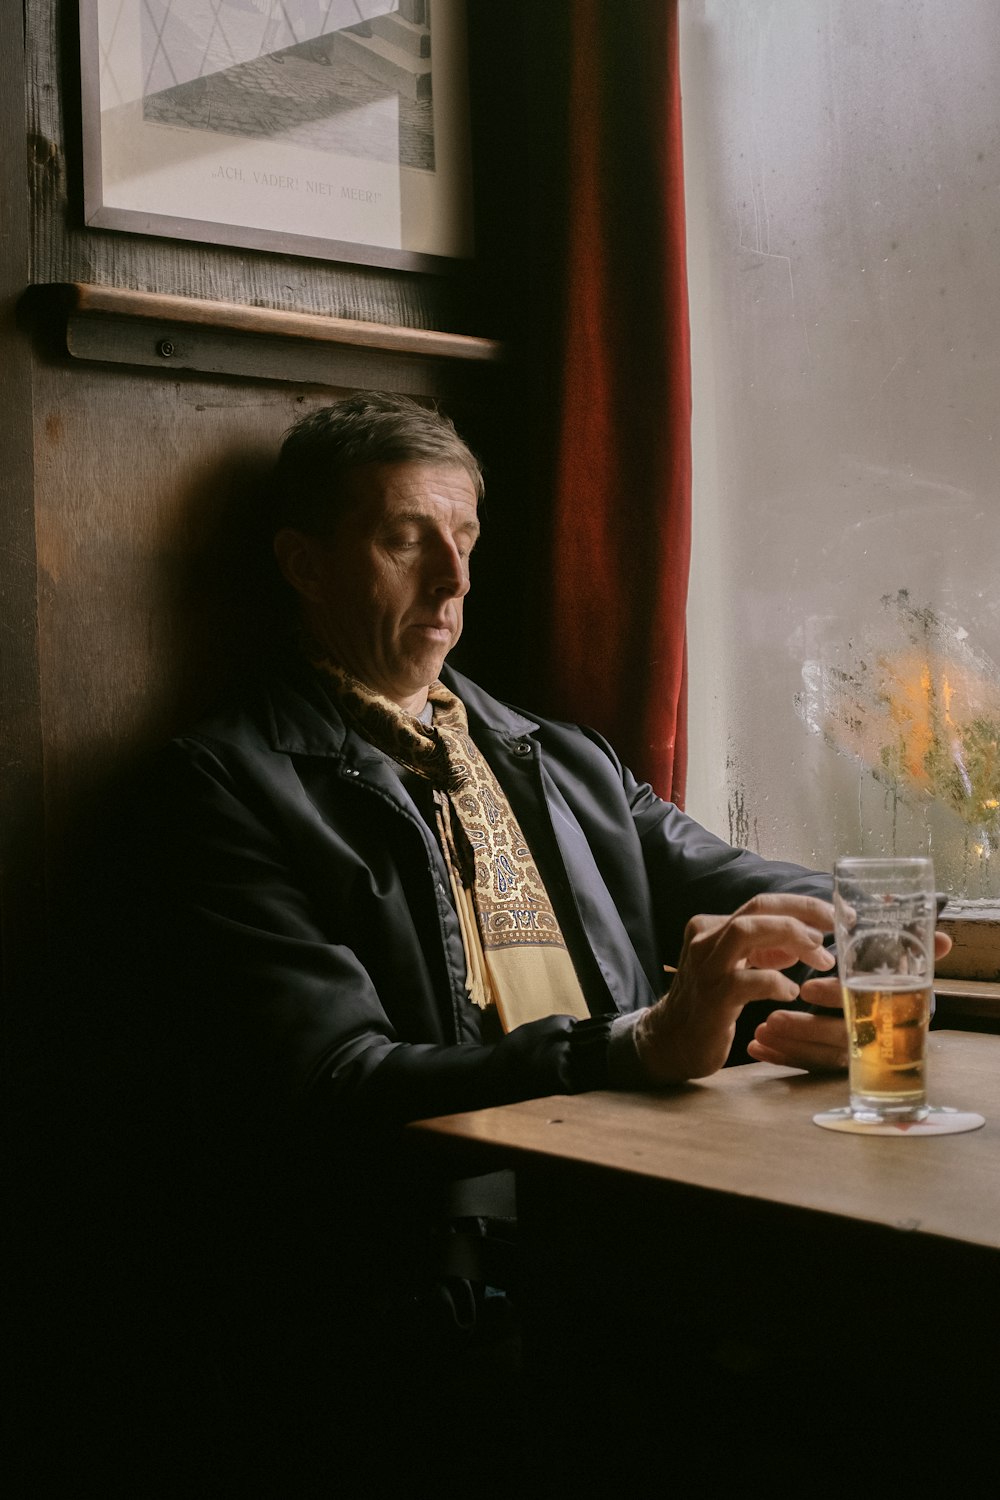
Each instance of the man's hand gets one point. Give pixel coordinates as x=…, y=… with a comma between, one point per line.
x=799, y=1040
x=725, y=963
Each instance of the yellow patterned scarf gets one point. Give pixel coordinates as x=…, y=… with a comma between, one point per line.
x=516, y=957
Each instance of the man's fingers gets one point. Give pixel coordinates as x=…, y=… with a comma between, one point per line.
x=767, y=941
x=800, y=1040
x=747, y=985
x=809, y=909
x=825, y=992
x=814, y=1059
x=818, y=957
x=800, y=1025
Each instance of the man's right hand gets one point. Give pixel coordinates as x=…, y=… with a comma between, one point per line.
x=725, y=963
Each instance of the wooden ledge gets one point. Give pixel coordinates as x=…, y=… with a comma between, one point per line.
x=117, y=326
x=239, y=318
x=971, y=999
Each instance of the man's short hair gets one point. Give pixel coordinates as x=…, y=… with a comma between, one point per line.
x=320, y=449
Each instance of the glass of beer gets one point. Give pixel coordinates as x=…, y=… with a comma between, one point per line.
x=885, y=914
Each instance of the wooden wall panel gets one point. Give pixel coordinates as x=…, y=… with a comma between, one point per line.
x=20, y=734
x=145, y=498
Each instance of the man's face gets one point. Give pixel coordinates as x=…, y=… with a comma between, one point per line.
x=385, y=590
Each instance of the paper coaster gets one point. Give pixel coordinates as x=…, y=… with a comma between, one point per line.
x=940, y=1121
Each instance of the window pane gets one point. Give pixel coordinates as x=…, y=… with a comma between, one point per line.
x=843, y=184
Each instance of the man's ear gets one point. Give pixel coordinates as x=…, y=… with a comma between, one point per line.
x=299, y=556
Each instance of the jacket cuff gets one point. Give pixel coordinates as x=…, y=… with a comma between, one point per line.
x=588, y=1054
x=625, y=1068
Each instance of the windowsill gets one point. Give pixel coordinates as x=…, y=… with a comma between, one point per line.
x=976, y=1003
x=975, y=957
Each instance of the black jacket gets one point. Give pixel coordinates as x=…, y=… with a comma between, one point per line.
x=308, y=929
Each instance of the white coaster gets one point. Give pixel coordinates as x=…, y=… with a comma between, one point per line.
x=940, y=1121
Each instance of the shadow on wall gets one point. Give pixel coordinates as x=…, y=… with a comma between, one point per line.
x=194, y=610
x=191, y=619
x=89, y=1336
x=222, y=599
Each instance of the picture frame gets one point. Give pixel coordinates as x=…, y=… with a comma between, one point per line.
x=336, y=129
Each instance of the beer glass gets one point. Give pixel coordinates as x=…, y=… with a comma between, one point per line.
x=885, y=914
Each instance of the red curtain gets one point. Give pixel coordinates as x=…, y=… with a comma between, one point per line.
x=622, y=507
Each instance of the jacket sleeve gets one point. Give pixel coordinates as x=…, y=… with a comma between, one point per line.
x=701, y=872
x=277, y=1014
x=685, y=869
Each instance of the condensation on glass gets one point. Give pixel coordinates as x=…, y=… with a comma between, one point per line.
x=843, y=194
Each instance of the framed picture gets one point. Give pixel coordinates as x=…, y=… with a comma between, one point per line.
x=331, y=128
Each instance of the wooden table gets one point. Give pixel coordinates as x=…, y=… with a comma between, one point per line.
x=715, y=1229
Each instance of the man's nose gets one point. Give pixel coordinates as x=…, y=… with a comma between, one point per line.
x=451, y=573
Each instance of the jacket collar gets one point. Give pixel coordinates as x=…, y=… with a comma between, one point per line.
x=488, y=711
x=303, y=717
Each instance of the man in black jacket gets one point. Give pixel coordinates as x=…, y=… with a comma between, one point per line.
x=353, y=944
x=367, y=893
